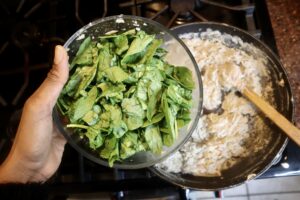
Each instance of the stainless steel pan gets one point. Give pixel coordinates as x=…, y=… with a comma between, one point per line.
x=251, y=167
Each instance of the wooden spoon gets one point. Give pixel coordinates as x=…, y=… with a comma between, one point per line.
x=292, y=131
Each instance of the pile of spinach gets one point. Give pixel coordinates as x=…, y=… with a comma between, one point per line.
x=122, y=97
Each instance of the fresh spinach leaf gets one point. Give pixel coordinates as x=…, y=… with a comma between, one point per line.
x=129, y=145
x=84, y=54
x=83, y=105
x=121, y=43
x=153, y=138
x=116, y=74
x=173, y=93
x=184, y=76
x=157, y=118
x=110, y=150
x=104, y=62
x=137, y=48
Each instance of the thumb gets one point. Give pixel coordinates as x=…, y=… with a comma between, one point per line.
x=50, y=89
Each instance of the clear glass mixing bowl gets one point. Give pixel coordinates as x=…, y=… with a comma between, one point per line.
x=178, y=55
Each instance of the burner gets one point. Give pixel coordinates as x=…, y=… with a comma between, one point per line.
x=25, y=34
x=79, y=5
x=183, y=8
x=182, y=11
x=23, y=28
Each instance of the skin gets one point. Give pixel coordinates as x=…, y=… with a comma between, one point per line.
x=38, y=146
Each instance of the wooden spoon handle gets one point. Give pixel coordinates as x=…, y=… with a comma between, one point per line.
x=292, y=131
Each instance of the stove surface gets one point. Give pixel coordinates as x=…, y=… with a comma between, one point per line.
x=32, y=28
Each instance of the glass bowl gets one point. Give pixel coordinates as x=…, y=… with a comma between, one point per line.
x=178, y=55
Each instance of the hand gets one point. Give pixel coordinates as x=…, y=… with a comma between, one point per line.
x=38, y=146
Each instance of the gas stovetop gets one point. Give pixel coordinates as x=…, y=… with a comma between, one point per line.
x=31, y=28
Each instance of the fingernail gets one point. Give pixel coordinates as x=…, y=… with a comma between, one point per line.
x=58, y=54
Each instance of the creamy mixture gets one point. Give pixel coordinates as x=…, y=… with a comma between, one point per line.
x=231, y=128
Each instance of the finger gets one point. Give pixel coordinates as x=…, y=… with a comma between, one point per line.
x=50, y=89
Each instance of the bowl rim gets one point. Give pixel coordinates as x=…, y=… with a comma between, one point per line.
x=193, y=126
x=291, y=112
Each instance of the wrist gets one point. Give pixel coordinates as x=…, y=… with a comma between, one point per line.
x=12, y=170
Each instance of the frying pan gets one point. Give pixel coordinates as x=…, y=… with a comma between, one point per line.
x=255, y=165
